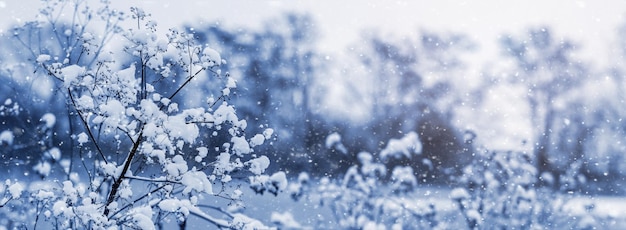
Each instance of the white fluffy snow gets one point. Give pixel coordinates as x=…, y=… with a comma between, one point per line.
x=202, y=153
x=70, y=74
x=285, y=220
x=268, y=133
x=43, y=58
x=54, y=153
x=43, y=168
x=240, y=145
x=6, y=137
x=258, y=165
x=82, y=138
x=210, y=57
x=142, y=217
x=177, y=167
x=459, y=194
x=275, y=183
x=403, y=178
x=49, y=119
x=257, y=140
x=84, y=103
x=16, y=190
x=198, y=181
x=332, y=139
x=113, y=112
x=404, y=147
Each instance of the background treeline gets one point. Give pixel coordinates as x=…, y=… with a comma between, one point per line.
x=402, y=84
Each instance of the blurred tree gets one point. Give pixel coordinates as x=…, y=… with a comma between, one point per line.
x=415, y=86
x=550, y=72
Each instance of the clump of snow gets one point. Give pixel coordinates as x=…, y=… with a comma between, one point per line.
x=370, y=168
x=285, y=220
x=43, y=168
x=60, y=208
x=240, y=145
x=15, y=189
x=474, y=215
x=84, y=103
x=210, y=57
x=178, y=127
x=241, y=221
x=297, y=190
x=142, y=217
x=272, y=184
x=403, y=179
x=371, y=225
x=70, y=74
x=70, y=191
x=257, y=140
x=404, y=147
x=6, y=137
x=177, y=167
x=169, y=205
x=54, y=153
x=224, y=113
x=49, y=119
x=334, y=141
x=43, y=58
x=8, y=101
x=125, y=191
x=43, y=194
x=113, y=112
x=231, y=83
x=459, y=194
x=202, y=153
x=82, y=138
x=110, y=169
x=198, y=181
x=268, y=133
x=258, y=165
x=87, y=36
x=65, y=164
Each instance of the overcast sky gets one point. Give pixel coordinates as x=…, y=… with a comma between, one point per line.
x=591, y=22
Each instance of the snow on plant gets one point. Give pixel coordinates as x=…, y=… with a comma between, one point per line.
x=160, y=163
x=367, y=197
x=404, y=147
x=499, y=192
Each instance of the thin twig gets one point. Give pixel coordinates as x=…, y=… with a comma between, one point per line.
x=217, y=209
x=186, y=82
x=80, y=114
x=138, y=199
x=152, y=180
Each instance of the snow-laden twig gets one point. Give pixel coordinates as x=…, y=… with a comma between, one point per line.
x=116, y=185
x=82, y=118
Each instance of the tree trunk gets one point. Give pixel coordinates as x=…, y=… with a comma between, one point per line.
x=542, y=149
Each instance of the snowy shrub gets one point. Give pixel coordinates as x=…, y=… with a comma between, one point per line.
x=499, y=191
x=143, y=155
x=367, y=197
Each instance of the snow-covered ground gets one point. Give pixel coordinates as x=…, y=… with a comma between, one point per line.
x=603, y=212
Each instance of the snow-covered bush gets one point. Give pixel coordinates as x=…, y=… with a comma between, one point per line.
x=367, y=197
x=142, y=155
x=499, y=190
